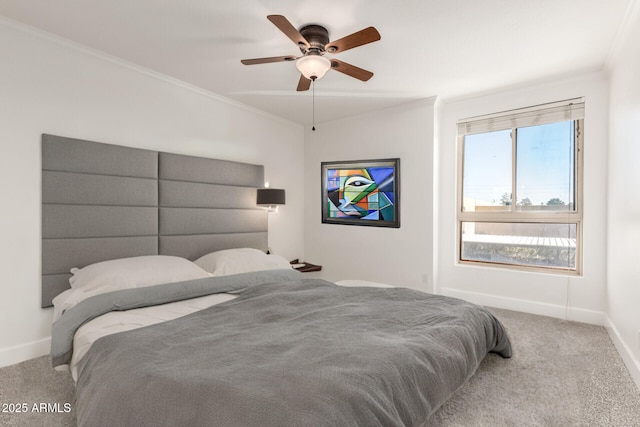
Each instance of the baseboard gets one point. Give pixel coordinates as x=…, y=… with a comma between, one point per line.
x=633, y=365
x=20, y=353
x=543, y=309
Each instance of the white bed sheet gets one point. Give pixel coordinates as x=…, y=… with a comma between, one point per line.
x=120, y=321
x=363, y=283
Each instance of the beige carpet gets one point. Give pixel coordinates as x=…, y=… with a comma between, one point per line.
x=562, y=374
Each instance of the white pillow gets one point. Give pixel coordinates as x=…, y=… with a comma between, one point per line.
x=135, y=272
x=241, y=260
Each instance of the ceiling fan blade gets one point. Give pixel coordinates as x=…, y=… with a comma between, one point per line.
x=303, y=84
x=289, y=30
x=266, y=60
x=367, y=35
x=351, y=70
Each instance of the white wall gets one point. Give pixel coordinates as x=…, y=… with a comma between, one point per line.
x=48, y=86
x=576, y=298
x=392, y=255
x=623, y=269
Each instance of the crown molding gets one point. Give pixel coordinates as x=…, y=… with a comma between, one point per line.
x=79, y=47
x=630, y=19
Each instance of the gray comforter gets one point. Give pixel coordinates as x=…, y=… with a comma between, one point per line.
x=299, y=353
x=63, y=329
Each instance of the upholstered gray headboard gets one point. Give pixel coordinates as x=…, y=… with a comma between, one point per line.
x=103, y=201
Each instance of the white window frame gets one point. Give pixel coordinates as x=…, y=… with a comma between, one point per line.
x=572, y=109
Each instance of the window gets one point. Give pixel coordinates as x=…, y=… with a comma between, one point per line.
x=519, y=196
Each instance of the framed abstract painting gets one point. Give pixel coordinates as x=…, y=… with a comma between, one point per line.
x=361, y=192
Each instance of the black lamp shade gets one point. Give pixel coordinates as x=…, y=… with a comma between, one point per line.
x=270, y=196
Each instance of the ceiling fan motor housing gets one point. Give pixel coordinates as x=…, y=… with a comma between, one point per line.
x=317, y=36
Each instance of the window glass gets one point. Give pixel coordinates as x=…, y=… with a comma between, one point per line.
x=545, y=168
x=487, y=171
x=529, y=244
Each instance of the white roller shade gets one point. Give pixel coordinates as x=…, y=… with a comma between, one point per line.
x=571, y=109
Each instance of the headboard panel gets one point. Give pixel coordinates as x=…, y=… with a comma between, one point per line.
x=102, y=201
x=178, y=167
x=209, y=204
x=99, y=201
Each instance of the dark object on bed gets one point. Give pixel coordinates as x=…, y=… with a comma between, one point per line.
x=298, y=353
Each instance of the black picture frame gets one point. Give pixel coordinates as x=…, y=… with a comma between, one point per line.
x=361, y=192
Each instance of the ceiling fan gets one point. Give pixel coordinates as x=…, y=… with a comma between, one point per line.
x=313, y=41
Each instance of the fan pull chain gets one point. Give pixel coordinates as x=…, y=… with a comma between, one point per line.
x=313, y=109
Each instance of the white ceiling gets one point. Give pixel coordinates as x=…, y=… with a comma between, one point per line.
x=446, y=48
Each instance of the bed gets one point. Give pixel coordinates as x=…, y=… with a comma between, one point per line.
x=204, y=328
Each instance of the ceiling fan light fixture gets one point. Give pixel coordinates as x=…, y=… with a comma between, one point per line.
x=313, y=67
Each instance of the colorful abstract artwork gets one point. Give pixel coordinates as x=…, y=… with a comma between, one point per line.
x=361, y=192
